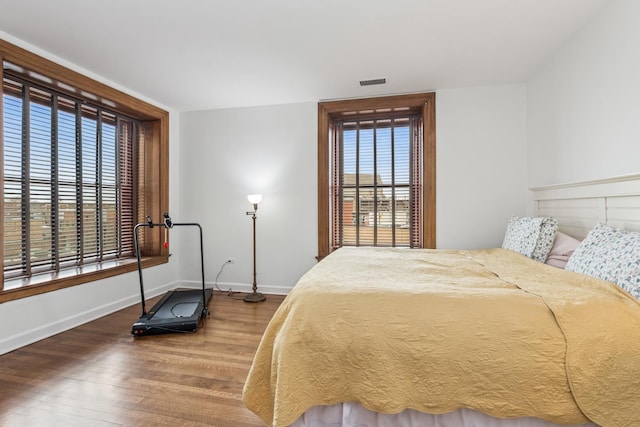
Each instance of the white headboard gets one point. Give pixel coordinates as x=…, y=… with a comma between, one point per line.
x=580, y=205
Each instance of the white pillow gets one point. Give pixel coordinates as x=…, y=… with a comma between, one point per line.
x=611, y=254
x=563, y=247
x=531, y=237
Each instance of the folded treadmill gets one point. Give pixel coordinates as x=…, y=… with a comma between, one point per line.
x=178, y=311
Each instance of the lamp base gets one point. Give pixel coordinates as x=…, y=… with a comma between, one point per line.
x=255, y=297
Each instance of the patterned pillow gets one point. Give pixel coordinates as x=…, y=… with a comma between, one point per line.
x=532, y=237
x=545, y=239
x=611, y=254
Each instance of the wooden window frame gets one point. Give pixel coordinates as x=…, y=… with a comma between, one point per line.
x=154, y=158
x=330, y=111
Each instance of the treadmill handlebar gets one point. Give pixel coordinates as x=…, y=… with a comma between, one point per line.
x=167, y=220
x=167, y=224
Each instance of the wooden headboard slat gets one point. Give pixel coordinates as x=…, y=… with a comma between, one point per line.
x=579, y=206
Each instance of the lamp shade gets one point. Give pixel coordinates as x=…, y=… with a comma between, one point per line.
x=254, y=198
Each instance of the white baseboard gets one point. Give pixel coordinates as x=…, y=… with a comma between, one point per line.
x=239, y=287
x=27, y=337
x=36, y=334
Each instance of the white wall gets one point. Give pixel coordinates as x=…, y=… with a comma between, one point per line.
x=583, y=112
x=481, y=145
x=227, y=154
x=30, y=319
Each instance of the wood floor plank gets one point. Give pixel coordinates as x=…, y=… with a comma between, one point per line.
x=97, y=374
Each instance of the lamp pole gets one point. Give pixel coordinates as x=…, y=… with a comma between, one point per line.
x=254, y=296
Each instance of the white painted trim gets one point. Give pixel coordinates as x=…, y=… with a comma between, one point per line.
x=625, y=185
x=27, y=337
x=240, y=287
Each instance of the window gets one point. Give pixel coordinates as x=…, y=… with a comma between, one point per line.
x=68, y=181
x=376, y=172
x=82, y=164
x=376, y=189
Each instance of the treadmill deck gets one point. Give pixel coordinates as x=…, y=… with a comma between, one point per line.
x=177, y=311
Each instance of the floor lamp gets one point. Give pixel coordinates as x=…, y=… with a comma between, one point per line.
x=254, y=296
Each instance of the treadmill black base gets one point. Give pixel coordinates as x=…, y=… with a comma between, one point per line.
x=178, y=311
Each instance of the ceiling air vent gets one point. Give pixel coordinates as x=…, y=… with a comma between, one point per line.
x=372, y=82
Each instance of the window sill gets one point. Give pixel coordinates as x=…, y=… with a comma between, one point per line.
x=38, y=284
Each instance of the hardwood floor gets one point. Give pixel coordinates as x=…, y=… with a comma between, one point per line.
x=98, y=375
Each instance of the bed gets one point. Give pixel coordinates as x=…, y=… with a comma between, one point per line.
x=383, y=336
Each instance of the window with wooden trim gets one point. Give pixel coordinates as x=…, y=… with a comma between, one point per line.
x=376, y=172
x=68, y=181
x=82, y=164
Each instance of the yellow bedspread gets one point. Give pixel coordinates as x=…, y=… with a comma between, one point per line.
x=439, y=330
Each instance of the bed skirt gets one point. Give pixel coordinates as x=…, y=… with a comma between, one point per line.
x=353, y=414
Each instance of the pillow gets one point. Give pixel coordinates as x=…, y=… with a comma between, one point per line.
x=531, y=237
x=563, y=247
x=611, y=254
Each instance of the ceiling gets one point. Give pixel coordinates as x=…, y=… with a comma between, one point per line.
x=205, y=54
